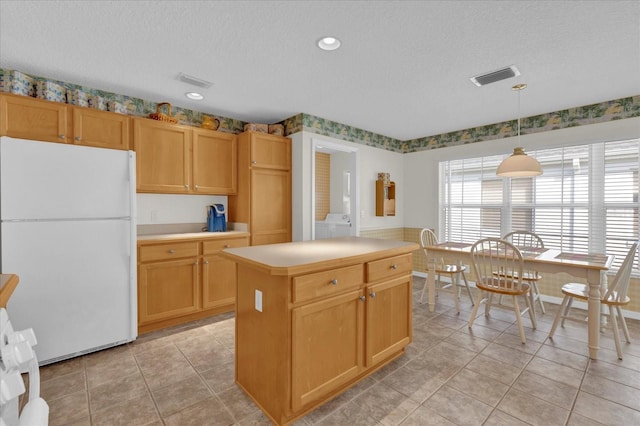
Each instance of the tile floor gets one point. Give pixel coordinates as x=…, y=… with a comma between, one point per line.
x=449, y=375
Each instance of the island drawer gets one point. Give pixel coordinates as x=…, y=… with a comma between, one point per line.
x=306, y=287
x=168, y=251
x=215, y=246
x=389, y=267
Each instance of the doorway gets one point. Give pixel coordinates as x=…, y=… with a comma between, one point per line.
x=334, y=186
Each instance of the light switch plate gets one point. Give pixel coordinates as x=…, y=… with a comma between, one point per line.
x=258, y=300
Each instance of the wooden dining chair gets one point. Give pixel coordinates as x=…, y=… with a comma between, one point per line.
x=494, y=254
x=615, y=297
x=428, y=238
x=528, y=240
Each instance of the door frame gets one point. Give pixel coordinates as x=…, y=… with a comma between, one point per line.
x=354, y=164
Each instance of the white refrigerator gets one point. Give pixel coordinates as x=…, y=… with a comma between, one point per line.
x=68, y=230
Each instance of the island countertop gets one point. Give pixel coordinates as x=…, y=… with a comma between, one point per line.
x=304, y=256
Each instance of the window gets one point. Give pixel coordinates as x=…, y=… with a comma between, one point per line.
x=585, y=201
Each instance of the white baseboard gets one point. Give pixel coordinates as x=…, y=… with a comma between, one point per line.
x=551, y=299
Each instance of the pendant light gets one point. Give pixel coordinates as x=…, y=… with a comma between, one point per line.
x=519, y=164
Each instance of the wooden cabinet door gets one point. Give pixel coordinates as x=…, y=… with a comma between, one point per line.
x=100, y=128
x=327, y=339
x=270, y=206
x=214, y=162
x=35, y=119
x=218, y=282
x=269, y=151
x=388, y=318
x=163, y=156
x=167, y=289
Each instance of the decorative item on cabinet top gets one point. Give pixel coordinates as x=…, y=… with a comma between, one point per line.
x=210, y=123
x=256, y=127
x=276, y=129
x=161, y=116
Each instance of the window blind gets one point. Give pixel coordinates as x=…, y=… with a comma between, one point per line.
x=586, y=201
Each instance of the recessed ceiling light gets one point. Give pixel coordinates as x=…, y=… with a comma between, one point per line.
x=328, y=43
x=194, y=96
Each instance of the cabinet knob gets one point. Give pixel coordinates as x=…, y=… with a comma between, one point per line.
x=196, y=263
x=61, y=136
x=186, y=185
x=171, y=251
x=334, y=281
x=362, y=298
x=206, y=262
x=227, y=246
x=394, y=266
x=197, y=186
x=78, y=138
x=253, y=162
x=372, y=294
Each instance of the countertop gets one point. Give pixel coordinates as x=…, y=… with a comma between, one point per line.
x=155, y=238
x=301, y=256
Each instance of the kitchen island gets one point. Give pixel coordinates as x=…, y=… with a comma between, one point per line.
x=315, y=317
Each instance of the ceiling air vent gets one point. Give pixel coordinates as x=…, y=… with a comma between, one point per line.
x=194, y=80
x=492, y=77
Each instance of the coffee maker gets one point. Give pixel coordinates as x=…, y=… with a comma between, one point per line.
x=216, y=218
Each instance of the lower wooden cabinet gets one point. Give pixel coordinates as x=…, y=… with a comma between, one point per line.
x=167, y=289
x=183, y=280
x=219, y=274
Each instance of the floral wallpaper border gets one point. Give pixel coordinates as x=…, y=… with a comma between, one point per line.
x=617, y=109
x=134, y=106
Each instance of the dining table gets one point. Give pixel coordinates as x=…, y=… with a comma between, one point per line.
x=591, y=266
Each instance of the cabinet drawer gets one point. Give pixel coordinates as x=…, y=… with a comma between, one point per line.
x=215, y=246
x=325, y=283
x=168, y=251
x=389, y=267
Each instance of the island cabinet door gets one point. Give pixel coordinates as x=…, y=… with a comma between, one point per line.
x=388, y=318
x=327, y=346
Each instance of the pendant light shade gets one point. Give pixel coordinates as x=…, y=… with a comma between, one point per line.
x=519, y=164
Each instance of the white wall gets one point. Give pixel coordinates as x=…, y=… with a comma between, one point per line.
x=421, y=168
x=172, y=208
x=371, y=161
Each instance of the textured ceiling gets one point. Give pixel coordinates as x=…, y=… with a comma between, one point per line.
x=402, y=71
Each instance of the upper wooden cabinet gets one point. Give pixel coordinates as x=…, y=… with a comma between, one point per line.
x=100, y=128
x=36, y=119
x=269, y=151
x=174, y=159
x=28, y=118
x=163, y=156
x=214, y=162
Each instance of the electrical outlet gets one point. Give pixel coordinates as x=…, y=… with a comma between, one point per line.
x=258, y=300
